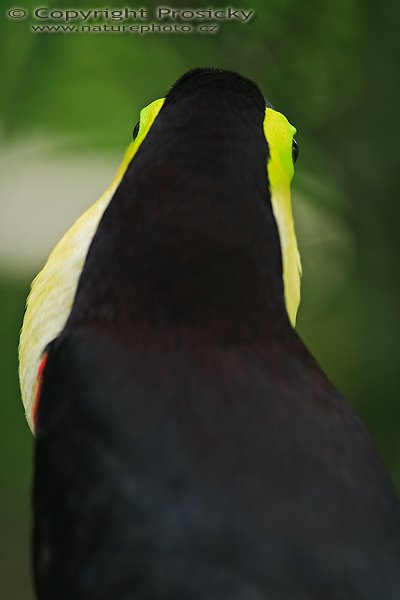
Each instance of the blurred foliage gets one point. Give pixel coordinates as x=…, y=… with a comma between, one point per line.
x=332, y=68
x=15, y=450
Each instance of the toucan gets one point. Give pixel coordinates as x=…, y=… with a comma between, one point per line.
x=187, y=444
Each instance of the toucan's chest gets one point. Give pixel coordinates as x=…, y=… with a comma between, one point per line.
x=198, y=445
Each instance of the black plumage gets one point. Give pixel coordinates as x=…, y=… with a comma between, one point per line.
x=188, y=445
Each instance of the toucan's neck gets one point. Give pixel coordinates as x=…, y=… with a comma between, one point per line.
x=189, y=238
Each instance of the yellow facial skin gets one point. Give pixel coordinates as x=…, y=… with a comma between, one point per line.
x=53, y=289
x=279, y=134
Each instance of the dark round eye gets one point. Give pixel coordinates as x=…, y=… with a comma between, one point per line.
x=295, y=150
x=136, y=130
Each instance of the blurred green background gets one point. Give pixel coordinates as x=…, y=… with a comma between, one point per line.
x=68, y=105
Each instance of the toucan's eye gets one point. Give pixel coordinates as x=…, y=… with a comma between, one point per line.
x=136, y=130
x=295, y=150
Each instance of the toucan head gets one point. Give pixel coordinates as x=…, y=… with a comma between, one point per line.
x=232, y=144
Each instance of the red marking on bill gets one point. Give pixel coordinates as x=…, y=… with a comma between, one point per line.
x=39, y=388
